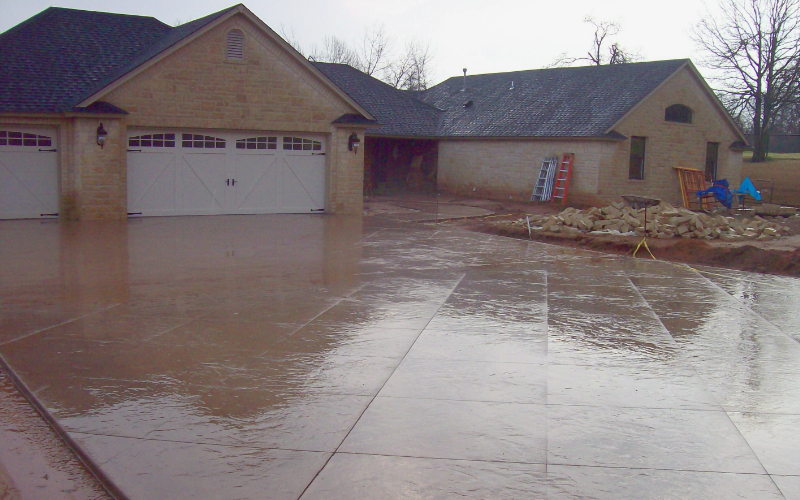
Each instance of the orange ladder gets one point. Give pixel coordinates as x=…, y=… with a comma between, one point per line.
x=561, y=186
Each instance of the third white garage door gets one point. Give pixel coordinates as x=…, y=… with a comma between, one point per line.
x=192, y=173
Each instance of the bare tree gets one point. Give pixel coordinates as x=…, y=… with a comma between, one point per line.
x=374, y=50
x=787, y=120
x=753, y=46
x=397, y=72
x=411, y=70
x=373, y=55
x=288, y=35
x=603, y=51
x=334, y=50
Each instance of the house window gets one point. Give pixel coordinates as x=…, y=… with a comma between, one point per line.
x=678, y=113
x=636, y=166
x=11, y=138
x=235, y=48
x=202, y=141
x=257, y=143
x=712, y=154
x=152, y=141
x=300, y=144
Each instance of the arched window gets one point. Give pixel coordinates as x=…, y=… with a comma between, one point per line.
x=235, y=49
x=678, y=113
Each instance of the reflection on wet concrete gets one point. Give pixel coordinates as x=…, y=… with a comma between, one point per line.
x=335, y=357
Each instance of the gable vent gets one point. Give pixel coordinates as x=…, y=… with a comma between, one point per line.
x=235, y=45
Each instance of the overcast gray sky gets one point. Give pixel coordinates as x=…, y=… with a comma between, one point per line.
x=483, y=35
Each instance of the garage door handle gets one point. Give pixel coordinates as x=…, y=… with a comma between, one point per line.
x=233, y=182
x=227, y=182
x=134, y=151
x=48, y=150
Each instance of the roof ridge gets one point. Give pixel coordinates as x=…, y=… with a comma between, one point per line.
x=567, y=68
x=103, y=13
x=36, y=16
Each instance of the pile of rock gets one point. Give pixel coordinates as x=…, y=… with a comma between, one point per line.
x=663, y=221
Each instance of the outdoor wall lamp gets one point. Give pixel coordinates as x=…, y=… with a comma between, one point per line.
x=101, y=136
x=353, y=142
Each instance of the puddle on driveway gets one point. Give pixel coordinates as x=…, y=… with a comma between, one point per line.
x=310, y=356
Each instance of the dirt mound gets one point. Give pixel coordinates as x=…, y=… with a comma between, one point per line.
x=690, y=251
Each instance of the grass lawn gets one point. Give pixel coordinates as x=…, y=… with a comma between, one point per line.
x=748, y=155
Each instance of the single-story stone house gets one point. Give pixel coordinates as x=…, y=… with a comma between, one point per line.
x=104, y=116
x=487, y=135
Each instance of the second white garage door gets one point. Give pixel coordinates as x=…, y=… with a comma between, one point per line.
x=188, y=173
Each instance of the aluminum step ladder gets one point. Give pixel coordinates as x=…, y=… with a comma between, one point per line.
x=544, y=185
x=561, y=185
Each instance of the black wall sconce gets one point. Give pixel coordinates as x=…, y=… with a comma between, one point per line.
x=101, y=136
x=353, y=142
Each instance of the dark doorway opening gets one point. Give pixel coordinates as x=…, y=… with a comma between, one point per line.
x=396, y=165
x=712, y=154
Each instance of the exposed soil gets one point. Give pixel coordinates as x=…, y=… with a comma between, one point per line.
x=781, y=256
x=745, y=257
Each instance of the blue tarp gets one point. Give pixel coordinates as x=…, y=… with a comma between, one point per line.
x=747, y=187
x=720, y=191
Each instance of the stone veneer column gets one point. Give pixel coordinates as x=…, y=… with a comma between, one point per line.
x=100, y=187
x=345, y=175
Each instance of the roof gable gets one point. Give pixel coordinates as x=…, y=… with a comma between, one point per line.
x=63, y=58
x=173, y=37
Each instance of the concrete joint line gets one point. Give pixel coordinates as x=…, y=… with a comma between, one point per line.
x=727, y=414
x=60, y=324
x=449, y=293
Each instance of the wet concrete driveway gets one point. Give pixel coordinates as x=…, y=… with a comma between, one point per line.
x=315, y=357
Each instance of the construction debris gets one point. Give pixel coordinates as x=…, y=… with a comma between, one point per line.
x=774, y=210
x=663, y=221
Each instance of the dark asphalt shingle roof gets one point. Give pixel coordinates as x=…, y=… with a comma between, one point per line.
x=557, y=102
x=398, y=113
x=59, y=57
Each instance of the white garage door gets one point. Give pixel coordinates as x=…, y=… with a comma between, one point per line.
x=28, y=173
x=188, y=173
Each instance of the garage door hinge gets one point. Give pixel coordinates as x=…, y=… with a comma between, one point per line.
x=48, y=150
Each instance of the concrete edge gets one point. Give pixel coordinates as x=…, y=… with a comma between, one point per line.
x=105, y=482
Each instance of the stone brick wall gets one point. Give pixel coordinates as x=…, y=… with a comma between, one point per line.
x=509, y=169
x=101, y=192
x=504, y=169
x=671, y=144
x=345, y=173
